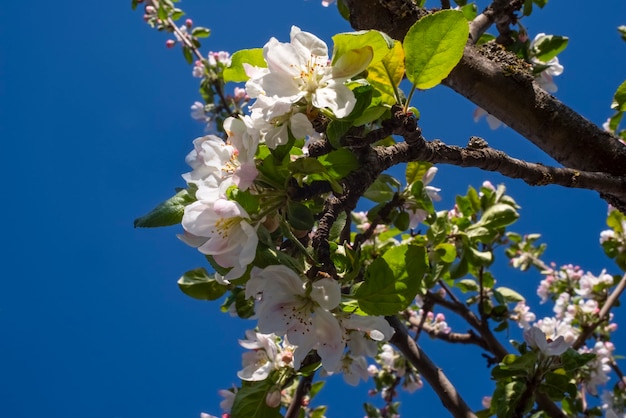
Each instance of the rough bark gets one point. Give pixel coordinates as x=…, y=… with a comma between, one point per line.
x=499, y=84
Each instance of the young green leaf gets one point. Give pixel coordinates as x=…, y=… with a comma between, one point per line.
x=392, y=281
x=549, y=46
x=619, y=99
x=250, y=401
x=386, y=74
x=167, y=213
x=236, y=72
x=199, y=285
x=433, y=46
x=344, y=43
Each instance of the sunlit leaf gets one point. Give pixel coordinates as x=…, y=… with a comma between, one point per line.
x=433, y=47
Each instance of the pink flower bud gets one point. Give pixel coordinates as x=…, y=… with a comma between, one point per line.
x=150, y=10
x=170, y=43
x=189, y=23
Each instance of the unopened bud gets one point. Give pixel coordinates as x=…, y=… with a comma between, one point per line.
x=170, y=43
x=189, y=23
x=273, y=399
x=150, y=10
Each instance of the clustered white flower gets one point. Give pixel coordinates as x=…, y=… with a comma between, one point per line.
x=295, y=314
x=576, y=295
x=308, y=315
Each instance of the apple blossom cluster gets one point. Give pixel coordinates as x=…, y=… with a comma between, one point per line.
x=299, y=81
x=309, y=316
x=391, y=370
x=295, y=314
x=577, y=298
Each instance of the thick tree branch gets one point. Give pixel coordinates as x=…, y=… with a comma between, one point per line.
x=478, y=154
x=501, y=88
x=450, y=398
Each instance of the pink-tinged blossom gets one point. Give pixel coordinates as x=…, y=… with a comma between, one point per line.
x=486, y=402
x=536, y=338
x=522, y=315
x=493, y=122
x=229, y=236
x=599, y=367
x=245, y=139
x=210, y=161
x=198, y=113
x=266, y=355
x=286, y=307
x=228, y=397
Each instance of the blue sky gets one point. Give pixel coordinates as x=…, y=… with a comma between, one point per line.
x=95, y=125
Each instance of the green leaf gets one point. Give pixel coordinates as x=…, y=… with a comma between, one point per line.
x=622, y=31
x=392, y=281
x=236, y=72
x=467, y=285
x=549, y=47
x=382, y=190
x=479, y=258
x=335, y=130
x=445, y=252
x=470, y=11
x=509, y=295
x=433, y=46
x=199, y=285
x=248, y=201
x=299, y=216
x=345, y=43
x=497, y=216
x=187, y=54
x=402, y=221
x=386, y=75
x=415, y=171
x=167, y=213
x=250, y=401
x=339, y=163
x=200, y=32
x=619, y=99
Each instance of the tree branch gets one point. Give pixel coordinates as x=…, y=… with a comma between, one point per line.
x=450, y=398
x=496, y=83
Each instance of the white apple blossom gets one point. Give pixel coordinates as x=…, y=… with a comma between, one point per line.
x=546, y=77
x=288, y=305
x=522, y=315
x=299, y=74
x=363, y=333
x=554, y=328
x=536, y=338
x=210, y=161
x=266, y=355
x=245, y=139
x=228, y=235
